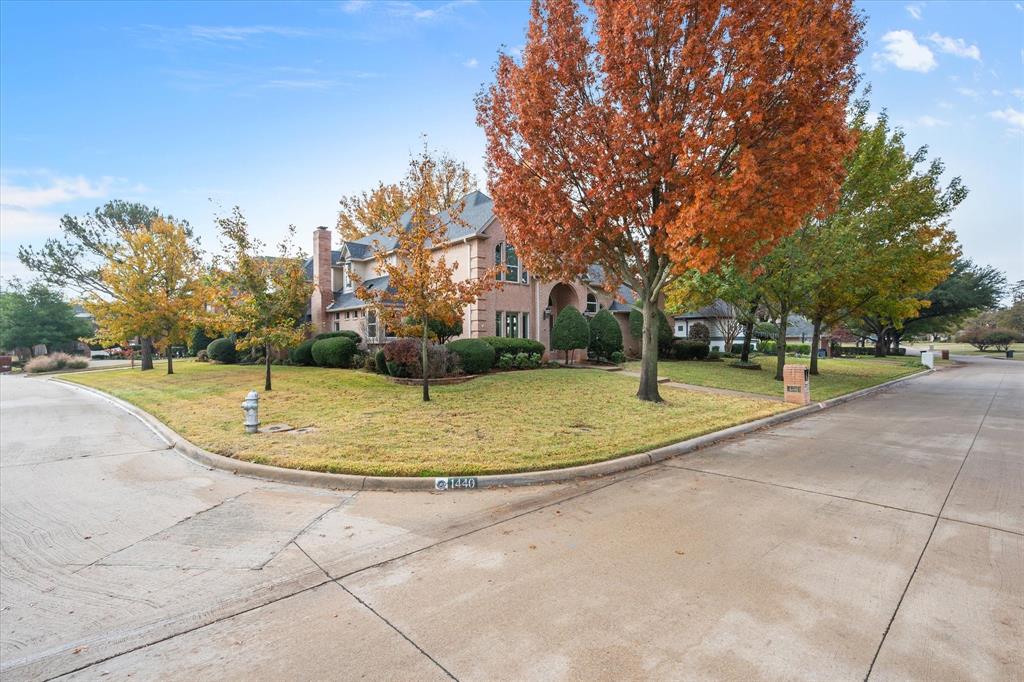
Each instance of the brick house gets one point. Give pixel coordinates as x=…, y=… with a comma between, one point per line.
x=525, y=306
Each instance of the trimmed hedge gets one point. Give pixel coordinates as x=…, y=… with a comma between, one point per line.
x=476, y=355
x=336, y=351
x=605, y=335
x=504, y=344
x=347, y=333
x=302, y=354
x=688, y=349
x=223, y=350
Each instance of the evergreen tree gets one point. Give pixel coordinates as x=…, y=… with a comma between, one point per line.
x=570, y=332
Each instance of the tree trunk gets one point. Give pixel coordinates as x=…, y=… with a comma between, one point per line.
x=426, y=363
x=266, y=380
x=780, y=344
x=170, y=360
x=649, y=354
x=815, y=342
x=147, y=354
x=748, y=333
x=880, y=344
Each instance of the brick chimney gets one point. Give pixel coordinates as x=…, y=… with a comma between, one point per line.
x=323, y=294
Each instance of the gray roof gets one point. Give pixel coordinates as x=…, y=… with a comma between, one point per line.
x=717, y=309
x=335, y=255
x=348, y=300
x=628, y=297
x=798, y=325
x=477, y=213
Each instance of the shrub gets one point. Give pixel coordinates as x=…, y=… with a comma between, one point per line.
x=198, y=341
x=440, y=363
x=402, y=354
x=714, y=355
x=736, y=349
x=605, y=335
x=687, y=349
x=618, y=357
x=522, y=360
x=767, y=347
x=223, y=350
x=665, y=336
x=570, y=331
x=380, y=362
x=202, y=356
x=370, y=362
x=335, y=351
x=347, y=333
x=504, y=344
x=302, y=354
x=54, y=362
x=476, y=356
x=359, y=359
x=700, y=332
x=506, y=361
x=801, y=348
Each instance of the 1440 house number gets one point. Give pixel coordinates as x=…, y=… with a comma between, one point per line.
x=455, y=483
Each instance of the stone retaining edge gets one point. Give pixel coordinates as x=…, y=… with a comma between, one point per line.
x=320, y=479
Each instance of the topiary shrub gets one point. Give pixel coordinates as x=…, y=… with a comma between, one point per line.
x=605, y=335
x=687, y=349
x=504, y=344
x=223, y=351
x=336, y=351
x=476, y=356
x=380, y=362
x=570, y=331
x=347, y=333
x=665, y=336
x=302, y=354
x=700, y=332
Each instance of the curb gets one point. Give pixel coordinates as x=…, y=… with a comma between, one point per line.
x=319, y=479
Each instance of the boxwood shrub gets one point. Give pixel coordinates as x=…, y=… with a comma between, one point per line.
x=302, y=354
x=336, y=351
x=347, y=333
x=476, y=355
x=688, y=349
x=223, y=350
x=502, y=344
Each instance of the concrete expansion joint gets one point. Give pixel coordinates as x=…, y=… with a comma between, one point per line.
x=355, y=482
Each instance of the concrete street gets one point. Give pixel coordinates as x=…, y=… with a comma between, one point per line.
x=882, y=539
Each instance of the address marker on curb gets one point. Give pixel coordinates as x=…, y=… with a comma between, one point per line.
x=455, y=483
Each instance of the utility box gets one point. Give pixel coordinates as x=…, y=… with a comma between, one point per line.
x=797, y=380
x=928, y=359
x=5, y=364
x=945, y=354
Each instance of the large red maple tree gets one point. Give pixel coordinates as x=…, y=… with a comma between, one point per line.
x=654, y=136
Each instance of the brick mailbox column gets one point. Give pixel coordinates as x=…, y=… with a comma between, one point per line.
x=797, y=381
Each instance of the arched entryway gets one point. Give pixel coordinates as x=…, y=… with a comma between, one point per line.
x=561, y=295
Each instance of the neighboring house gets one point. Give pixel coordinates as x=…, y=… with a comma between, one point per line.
x=719, y=317
x=525, y=306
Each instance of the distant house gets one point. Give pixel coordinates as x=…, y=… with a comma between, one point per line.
x=719, y=317
x=524, y=307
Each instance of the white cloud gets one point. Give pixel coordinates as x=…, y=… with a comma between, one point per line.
x=914, y=9
x=57, y=190
x=904, y=52
x=955, y=46
x=969, y=92
x=353, y=6
x=944, y=104
x=931, y=122
x=410, y=10
x=1011, y=116
x=471, y=63
x=241, y=33
x=296, y=84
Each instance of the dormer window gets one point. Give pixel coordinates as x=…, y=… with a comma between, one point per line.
x=505, y=254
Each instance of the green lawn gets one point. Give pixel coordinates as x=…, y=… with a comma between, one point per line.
x=837, y=376
x=510, y=422
x=968, y=349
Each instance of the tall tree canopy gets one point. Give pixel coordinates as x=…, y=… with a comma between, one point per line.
x=73, y=261
x=421, y=287
x=154, y=281
x=377, y=209
x=260, y=298
x=969, y=289
x=36, y=314
x=655, y=136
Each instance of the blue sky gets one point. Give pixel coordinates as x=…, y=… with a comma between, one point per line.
x=284, y=108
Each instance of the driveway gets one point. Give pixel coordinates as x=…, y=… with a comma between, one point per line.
x=882, y=539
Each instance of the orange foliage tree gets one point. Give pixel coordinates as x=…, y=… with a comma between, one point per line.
x=421, y=287
x=655, y=136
